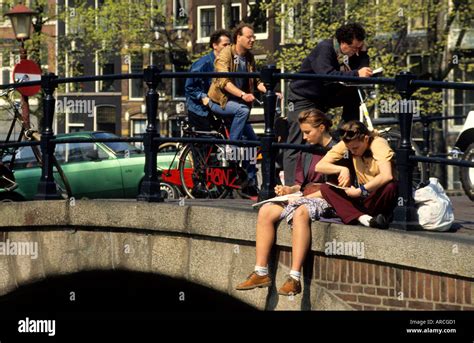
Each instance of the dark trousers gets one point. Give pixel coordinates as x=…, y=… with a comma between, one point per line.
x=200, y=123
x=340, y=96
x=381, y=201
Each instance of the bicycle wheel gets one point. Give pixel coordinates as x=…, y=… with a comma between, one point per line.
x=419, y=171
x=203, y=175
x=168, y=147
x=467, y=174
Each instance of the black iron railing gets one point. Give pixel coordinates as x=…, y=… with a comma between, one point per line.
x=405, y=84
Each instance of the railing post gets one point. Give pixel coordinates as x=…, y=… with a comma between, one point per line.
x=268, y=164
x=47, y=186
x=405, y=216
x=426, y=147
x=150, y=186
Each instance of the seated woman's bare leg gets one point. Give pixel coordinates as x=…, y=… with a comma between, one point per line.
x=268, y=216
x=301, y=237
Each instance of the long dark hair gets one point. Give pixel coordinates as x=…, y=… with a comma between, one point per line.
x=315, y=118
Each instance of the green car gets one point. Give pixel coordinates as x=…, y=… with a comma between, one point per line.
x=93, y=170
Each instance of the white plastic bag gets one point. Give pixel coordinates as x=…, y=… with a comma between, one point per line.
x=435, y=210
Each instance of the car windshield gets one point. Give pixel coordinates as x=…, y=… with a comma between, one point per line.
x=118, y=148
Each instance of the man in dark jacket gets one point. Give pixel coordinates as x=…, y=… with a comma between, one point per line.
x=345, y=55
x=196, y=88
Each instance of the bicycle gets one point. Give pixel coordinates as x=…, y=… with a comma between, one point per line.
x=8, y=155
x=204, y=171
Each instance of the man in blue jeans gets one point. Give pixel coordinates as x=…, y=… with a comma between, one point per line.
x=196, y=88
x=233, y=97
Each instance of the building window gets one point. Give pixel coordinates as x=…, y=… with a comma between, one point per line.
x=292, y=25
x=178, y=83
x=418, y=64
x=138, y=129
x=235, y=16
x=105, y=117
x=6, y=75
x=260, y=21
x=136, y=85
x=107, y=68
x=158, y=59
x=181, y=13
x=4, y=8
x=5, y=67
x=463, y=99
x=74, y=122
x=206, y=23
x=257, y=107
x=74, y=68
x=418, y=23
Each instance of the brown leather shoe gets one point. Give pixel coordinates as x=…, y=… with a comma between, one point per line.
x=253, y=281
x=290, y=287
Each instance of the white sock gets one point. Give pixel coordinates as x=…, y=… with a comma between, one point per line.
x=365, y=219
x=295, y=275
x=261, y=271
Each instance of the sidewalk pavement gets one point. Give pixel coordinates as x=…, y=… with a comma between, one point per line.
x=463, y=210
x=463, y=214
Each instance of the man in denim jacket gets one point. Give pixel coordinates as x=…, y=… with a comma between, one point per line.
x=196, y=88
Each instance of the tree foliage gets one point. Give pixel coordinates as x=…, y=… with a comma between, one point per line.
x=395, y=29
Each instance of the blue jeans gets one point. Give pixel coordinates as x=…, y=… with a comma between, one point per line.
x=239, y=113
x=249, y=134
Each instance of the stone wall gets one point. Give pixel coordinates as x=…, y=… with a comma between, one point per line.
x=375, y=286
x=213, y=244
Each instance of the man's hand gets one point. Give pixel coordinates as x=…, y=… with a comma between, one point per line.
x=354, y=192
x=365, y=72
x=248, y=97
x=205, y=101
x=344, y=178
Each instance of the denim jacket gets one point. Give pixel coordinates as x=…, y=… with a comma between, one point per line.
x=197, y=88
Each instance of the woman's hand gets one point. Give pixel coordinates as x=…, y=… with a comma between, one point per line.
x=283, y=190
x=354, y=192
x=344, y=178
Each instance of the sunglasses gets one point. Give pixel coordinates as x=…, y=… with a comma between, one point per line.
x=348, y=134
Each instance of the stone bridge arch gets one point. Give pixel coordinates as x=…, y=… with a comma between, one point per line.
x=212, y=244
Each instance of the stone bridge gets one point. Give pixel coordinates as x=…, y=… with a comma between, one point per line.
x=212, y=244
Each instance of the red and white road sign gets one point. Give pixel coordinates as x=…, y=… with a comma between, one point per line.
x=27, y=70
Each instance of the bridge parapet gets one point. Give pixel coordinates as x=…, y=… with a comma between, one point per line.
x=212, y=243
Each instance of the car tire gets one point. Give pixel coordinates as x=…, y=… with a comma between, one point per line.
x=10, y=197
x=169, y=191
x=467, y=174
